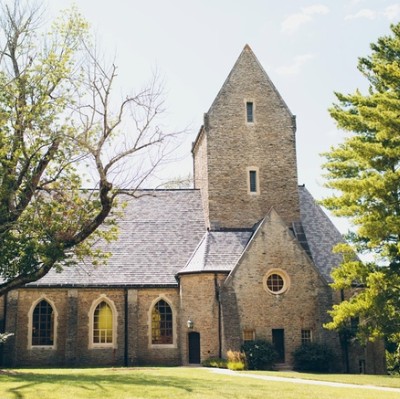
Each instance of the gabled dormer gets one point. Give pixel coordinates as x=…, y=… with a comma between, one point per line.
x=245, y=153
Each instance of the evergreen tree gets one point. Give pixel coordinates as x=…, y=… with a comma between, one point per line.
x=364, y=172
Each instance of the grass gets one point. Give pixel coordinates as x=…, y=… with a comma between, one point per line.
x=358, y=379
x=177, y=383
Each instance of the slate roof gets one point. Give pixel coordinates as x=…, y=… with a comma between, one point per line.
x=162, y=234
x=158, y=233
x=317, y=235
x=322, y=235
x=218, y=251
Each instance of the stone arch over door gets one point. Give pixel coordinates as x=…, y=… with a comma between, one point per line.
x=194, y=347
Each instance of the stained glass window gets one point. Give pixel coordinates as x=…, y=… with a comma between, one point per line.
x=161, y=323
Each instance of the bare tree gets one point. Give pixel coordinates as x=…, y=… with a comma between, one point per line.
x=61, y=129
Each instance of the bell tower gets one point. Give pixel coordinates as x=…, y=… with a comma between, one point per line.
x=245, y=153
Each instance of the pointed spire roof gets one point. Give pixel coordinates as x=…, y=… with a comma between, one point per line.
x=248, y=65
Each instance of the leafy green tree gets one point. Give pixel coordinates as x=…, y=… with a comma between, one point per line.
x=60, y=125
x=364, y=172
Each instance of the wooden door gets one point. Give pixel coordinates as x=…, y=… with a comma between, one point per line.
x=194, y=348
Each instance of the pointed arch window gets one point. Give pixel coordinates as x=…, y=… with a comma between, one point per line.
x=161, y=324
x=103, y=322
x=43, y=324
x=103, y=327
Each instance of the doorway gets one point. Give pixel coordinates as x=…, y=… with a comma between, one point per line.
x=278, y=340
x=194, y=348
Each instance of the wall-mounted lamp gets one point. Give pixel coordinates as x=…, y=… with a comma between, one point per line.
x=190, y=324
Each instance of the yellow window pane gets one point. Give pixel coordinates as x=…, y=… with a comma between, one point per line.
x=105, y=318
x=103, y=324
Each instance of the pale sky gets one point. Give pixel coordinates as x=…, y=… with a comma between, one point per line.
x=309, y=49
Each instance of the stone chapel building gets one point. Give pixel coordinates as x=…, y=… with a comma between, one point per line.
x=245, y=255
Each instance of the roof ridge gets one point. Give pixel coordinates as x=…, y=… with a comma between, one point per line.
x=196, y=250
x=206, y=249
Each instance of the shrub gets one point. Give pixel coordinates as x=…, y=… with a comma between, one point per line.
x=215, y=362
x=236, y=360
x=313, y=357
x=260, y=355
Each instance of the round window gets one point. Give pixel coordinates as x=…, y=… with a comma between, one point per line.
x=276, y=281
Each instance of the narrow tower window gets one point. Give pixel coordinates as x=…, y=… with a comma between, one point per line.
x=253, y=181
x=250, y=111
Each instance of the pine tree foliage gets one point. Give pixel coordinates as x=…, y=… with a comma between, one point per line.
x=364, y=172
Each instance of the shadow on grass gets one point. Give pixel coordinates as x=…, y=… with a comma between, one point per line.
x=95, y=380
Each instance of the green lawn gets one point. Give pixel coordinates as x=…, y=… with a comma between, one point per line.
x=378, y=380
x=175, y=383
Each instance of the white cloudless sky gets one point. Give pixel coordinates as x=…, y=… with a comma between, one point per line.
x=308, y=48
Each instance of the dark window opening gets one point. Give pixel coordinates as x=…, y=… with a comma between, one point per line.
x=253, y=181
x=42, y=324
x=250, y=112
x=275, y=283
x=306, y=337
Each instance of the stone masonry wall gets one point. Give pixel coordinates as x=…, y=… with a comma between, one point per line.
x=156, y=354
x=199, y=303
x=200, y=175
x=234, y=145
x=72, y=348
x=19, y=305
x=274, y=247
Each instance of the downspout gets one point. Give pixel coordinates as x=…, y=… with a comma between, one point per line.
x=126, y=330
x=218, y=298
